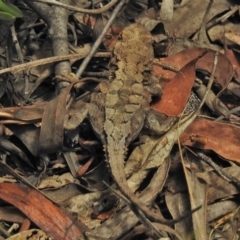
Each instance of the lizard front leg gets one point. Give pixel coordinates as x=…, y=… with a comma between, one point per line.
x=93, y=113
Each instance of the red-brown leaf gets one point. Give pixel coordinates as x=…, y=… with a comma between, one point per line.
x=177, y=91
x=222, y=138
x=40, y=210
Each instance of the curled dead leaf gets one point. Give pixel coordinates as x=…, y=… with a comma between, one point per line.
x=222, y=138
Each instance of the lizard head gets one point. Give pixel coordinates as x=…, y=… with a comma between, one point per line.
x=135, y=45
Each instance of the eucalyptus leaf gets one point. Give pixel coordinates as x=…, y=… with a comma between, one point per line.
x=6, y=16
x=8, y=11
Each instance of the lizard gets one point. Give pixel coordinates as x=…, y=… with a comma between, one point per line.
x=119, y=108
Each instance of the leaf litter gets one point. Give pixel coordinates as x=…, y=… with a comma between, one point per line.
x=52, y=178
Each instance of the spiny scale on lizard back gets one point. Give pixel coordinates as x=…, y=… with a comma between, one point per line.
x=119, y=108
x=127, y=102
x=127, y=97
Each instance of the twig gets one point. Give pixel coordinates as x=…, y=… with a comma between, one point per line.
x=20, y=57
x=31, y=26
x=56, y=19
x=43, y=10
x=140, y=214
x=44, y=61
x=221, y=172
x=223, y=18
x=3, y=231
x=76, y=9
x=234, y=110
x=72, y=28
x=202, y=31
x=165, y=66
x=100, y=38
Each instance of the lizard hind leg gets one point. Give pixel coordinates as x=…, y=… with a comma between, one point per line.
x=158, y=123
x=96, y=118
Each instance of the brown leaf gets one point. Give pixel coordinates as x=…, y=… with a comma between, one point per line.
x=30, y=114
x=223, y=73
x=219, y=209
x=11, y=214
x=177, y=91
x=51, y=134
x=149, y=19
x=40, y=210
x=34, y=234
x=198, y=198
x=233, y=37
x=8, y=146
x=56, y=181
x=28, y=134
x=188, y=18
x=224, y=69
x=218, y=187
x=215, y=136
x=179, y=209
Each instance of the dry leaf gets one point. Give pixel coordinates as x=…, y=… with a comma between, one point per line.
x=173, y=95
x=214, y=139
x=46, y=215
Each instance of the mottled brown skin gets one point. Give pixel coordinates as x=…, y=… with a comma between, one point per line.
x=119, y=109
x=122, y=106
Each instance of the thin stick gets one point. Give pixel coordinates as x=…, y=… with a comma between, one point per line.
x=44, y=61
x=20, y=57
x=146, y=222
x=100, y=38
x=82, y=10
x=219, y=170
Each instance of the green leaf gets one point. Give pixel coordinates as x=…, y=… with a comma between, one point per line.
x=6, y=16
x=10, y=9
